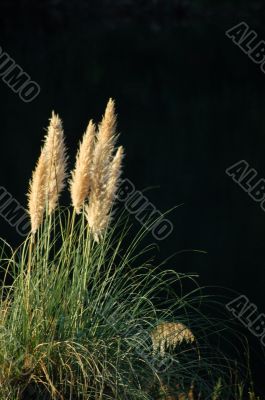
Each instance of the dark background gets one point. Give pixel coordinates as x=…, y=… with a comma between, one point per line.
x=190, y=104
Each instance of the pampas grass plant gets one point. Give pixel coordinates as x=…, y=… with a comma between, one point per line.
x=83, y=306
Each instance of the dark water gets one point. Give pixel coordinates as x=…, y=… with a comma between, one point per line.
x=190, y=104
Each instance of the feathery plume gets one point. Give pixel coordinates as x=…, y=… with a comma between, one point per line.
x=114, y=177
x=105, y=175
x=37, y=193
x=97, y=172
x=98, y=212
x=107, y=127
x=55, y=153
x=104, y=149
x=170, y=334
x=81, y=176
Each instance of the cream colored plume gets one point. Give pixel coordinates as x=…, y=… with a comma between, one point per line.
x=96, y=176
x=81, y=176
x=107, y=127
x=37, y=193
x=105, y=184
x=169, y=335
x=49, y=176
x=114, y=177
x=103, y=153
x=55, y=153
x=105, y=174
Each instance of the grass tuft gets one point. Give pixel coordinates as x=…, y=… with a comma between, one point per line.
x=78, y=319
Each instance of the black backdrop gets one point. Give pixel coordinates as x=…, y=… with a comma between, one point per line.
x=190, y=104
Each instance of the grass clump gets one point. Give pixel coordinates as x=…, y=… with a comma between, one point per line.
x=84, y=314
